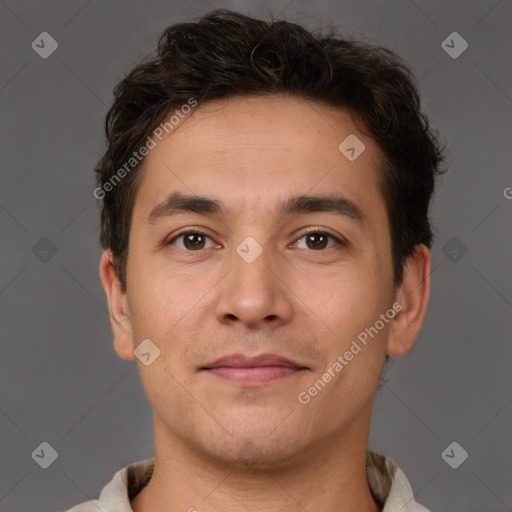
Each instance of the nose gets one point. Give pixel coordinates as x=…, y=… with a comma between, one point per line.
x=254, y=293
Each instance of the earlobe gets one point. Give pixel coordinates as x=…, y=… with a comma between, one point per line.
x=120, y=319
x=412, y=295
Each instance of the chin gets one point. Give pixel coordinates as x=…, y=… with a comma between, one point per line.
x=252, y=446
x=254, y=455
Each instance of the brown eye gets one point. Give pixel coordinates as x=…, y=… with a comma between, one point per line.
x=318, y=240
x=192, y=240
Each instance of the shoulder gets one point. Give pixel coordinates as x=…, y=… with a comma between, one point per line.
x=88, y=506
x=116, y=495
x=389, y=485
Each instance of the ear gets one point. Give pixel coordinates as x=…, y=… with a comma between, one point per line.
x=120, y=318
x=413, y=295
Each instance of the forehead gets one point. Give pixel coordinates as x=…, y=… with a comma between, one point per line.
x=253, y=152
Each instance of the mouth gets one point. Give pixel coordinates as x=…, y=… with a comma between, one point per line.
x=256, y=370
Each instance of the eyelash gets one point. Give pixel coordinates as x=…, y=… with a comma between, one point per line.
x=340, y=241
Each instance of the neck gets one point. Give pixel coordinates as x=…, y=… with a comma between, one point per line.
x=331, y=475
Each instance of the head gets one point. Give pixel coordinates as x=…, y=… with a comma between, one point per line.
x=251, y=114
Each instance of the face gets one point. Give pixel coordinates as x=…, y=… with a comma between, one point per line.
x=239, y=276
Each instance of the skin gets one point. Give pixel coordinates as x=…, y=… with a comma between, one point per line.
x=222, y=446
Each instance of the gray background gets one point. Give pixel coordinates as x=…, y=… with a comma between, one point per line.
x=61, y=381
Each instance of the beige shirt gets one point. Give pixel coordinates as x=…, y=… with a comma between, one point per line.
x=387, y=482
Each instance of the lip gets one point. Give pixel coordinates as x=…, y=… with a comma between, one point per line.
x=253, y=370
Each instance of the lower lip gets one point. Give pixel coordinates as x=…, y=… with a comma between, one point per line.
x=255, y=374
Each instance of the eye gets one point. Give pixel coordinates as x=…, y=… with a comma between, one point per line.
x=193, y=240
x=317, y=240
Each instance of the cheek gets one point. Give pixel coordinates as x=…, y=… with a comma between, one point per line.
x=349, y=304
x=167, y=310
x=149, y=283
x=350, y=296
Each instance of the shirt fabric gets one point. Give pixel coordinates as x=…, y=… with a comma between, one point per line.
x=386, y=480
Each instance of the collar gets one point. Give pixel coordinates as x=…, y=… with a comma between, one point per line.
x=386, y=480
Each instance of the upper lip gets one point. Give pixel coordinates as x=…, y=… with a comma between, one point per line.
x=244, y=361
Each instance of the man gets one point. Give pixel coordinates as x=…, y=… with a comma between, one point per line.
x=265, y=225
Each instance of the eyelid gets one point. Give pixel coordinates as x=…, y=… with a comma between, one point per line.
x=187, y=231
x=340, y=240
x=324, y=231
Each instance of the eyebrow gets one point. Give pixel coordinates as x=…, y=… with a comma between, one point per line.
x=177, y=203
